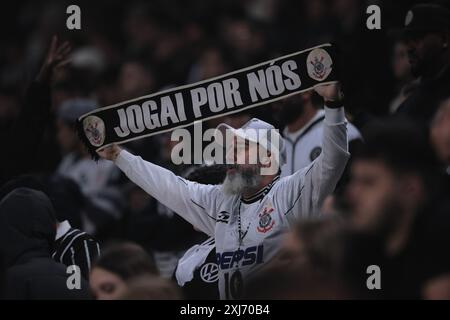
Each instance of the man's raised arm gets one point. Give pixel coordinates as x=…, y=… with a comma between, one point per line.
x=306, y=189
x=193, y=201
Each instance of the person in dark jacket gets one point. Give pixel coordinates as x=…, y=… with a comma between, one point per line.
x=427, y=34
x=72, y=246
x=27, y=233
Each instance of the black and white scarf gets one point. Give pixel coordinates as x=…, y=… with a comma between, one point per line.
x=233, y=92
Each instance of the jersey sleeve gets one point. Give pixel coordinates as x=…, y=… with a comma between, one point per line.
x=302, y=193
x=194, y=202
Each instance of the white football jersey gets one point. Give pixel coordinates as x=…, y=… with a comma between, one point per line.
x=264, y=218
x=305, y=145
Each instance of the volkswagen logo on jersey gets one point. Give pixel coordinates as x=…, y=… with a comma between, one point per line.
x=209, y=272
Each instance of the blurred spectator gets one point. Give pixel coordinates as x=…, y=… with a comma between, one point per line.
x=106, y=88
x=295, y=284
x=151, y=288
x=118, y=264
x=135, y=79
x=141, y=28
x=402, y=73
x=211, y=64
x=22, y=136
x=316, y=24
x=438, y=289
x=96, y=180
x=245, y=40
x=28, y=228
x=302, y=118
x=314, y=263
x=440, y=133
x=427, y=33
x=396, y=194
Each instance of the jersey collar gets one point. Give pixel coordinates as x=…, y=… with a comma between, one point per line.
x=62, y=229
x=261, y=193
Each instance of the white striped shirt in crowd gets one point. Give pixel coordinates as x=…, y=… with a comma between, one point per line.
x=75, y=247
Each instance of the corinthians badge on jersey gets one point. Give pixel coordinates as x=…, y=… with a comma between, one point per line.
x=94, y=129
x=266, y=222
x=319, y=64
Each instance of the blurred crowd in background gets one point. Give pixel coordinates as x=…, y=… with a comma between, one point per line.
x=395, y=191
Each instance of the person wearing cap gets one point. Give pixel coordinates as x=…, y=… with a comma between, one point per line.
x=250, y=212
x=427, y=34
x=96, y=180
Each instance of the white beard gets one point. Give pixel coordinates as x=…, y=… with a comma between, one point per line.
x=237, y=183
